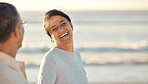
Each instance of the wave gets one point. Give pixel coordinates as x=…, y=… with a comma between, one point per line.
x=111, y=22
x=141, y=46
x=112, y=49
x=116, y=60
x=84, y=49
x=96, y=60
x=34, y=50
x=96, y=63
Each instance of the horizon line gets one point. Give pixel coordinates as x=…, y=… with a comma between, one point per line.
x=78, y=10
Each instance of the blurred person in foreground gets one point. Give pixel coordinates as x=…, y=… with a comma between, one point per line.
x=62, y=64
x=11, y=36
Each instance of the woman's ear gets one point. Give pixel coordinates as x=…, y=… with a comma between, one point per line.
x=71, y=25
x=51, y=39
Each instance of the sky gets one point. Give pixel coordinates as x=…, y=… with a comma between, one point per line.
x=79, y=5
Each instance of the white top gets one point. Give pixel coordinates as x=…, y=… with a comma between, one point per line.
x=11, y=71
x=62, y=67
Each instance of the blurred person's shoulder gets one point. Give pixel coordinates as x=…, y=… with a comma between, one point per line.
x=4, y=80
x=4, y=68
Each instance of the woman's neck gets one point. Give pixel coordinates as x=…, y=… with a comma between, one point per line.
x=67, y=47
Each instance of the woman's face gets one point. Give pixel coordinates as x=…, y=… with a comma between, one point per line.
x=60, y=30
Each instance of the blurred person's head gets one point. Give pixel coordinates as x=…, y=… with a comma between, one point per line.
x=11, y=29
x=58, y=26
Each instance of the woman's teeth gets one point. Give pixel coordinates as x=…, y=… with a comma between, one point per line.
x=64, y=35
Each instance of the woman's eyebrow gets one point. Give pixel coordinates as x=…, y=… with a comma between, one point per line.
x=53, y=26
x=61, y=21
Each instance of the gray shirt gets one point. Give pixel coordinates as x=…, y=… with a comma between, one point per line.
x=62, y=67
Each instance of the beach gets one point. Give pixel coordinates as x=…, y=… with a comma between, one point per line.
x=113, y=45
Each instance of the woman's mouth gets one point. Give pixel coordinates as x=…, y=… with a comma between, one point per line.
x=64, y=35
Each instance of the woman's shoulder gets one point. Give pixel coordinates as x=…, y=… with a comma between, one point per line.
x=77, y=52
x=49, y=57
x=51, y=53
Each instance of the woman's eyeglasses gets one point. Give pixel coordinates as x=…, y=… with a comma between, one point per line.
x=24, y=23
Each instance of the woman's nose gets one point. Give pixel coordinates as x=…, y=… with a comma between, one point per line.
x=60, y=29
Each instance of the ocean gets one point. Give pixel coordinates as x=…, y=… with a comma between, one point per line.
x=113, y=44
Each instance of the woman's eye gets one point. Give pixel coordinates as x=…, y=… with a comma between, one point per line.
x=54, y=29
x=63, y=24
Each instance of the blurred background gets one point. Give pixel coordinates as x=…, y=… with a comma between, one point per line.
x=111, y=35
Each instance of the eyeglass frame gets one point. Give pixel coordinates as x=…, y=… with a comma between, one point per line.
x=24, y=23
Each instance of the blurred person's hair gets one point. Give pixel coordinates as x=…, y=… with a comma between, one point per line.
x=51, y=13
x=9, y=18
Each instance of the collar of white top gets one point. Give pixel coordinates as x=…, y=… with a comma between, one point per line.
x=67, y=53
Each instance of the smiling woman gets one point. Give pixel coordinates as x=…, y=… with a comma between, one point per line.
x=62, y=64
